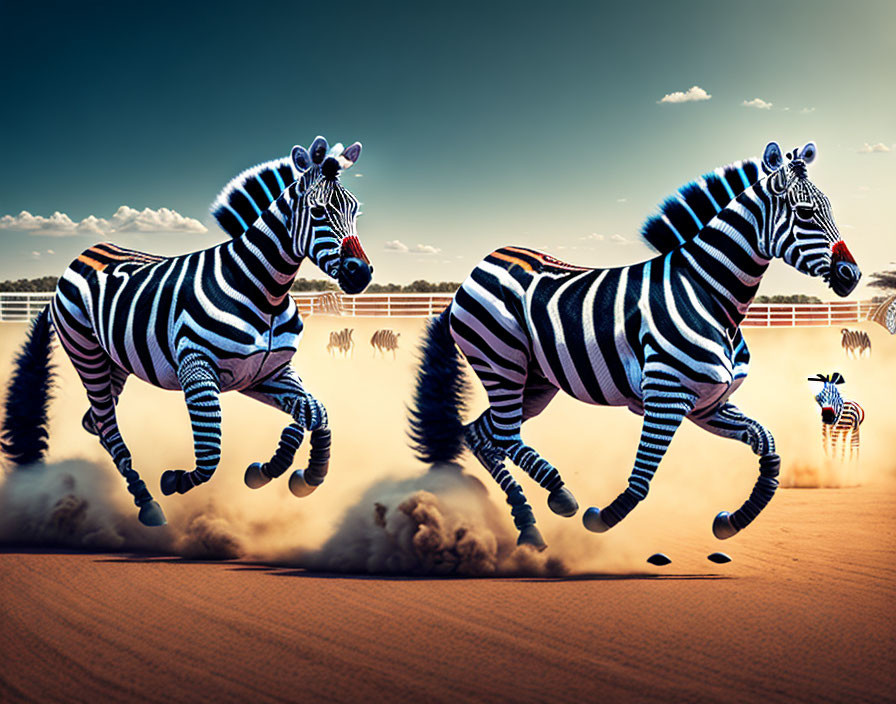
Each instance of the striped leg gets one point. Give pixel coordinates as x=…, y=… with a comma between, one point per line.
x=119, y=376
x=285, y=391
x=664, y=410
x=201, y=387
x=729, y=422
x=479, y=438
x=97, y=372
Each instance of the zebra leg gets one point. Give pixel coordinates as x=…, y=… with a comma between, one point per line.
x=663, y=413
x=98, y=374
x=285, y=391
x=201, y=387
x=119, y=376
x=729, y=422
x=478, y=436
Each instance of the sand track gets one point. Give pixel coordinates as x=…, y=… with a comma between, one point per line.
x=804, y=612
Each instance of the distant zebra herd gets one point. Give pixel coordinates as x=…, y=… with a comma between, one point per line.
x=855, y=343
x=383, y=341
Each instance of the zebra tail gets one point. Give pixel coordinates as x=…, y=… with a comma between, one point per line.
x=437, y=429
x=24, y=435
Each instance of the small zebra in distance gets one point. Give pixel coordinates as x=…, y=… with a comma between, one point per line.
x=327, y=304
x=661, y=337
x=216, y=320
x=384, y=341
x=341, y=341
x=840, y=419
x=885, y=314
x=855, y=343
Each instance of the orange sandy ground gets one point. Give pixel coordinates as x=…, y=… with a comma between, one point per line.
x=805, y=612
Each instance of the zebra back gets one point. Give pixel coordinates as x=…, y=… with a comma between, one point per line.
x=248, y=195
x=687, y=211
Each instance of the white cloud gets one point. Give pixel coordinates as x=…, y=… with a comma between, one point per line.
x=758, y=103
x=622, y=200
x=871, y=148
x=593, y=237
x=125, y=219
x=806, y=111
x=358, y=175
x=399, y=246
x=692, y=94
x=396, y=246
x=35, y=254
x=619, y=239
x=51, y=251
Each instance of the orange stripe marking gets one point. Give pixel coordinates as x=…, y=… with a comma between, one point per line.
x=513, y=260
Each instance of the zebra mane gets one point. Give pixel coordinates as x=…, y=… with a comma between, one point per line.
x=248, y=195
x=687, y=211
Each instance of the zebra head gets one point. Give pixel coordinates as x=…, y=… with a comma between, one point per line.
x=829, y=398
x=801, y=229
x=326, y=213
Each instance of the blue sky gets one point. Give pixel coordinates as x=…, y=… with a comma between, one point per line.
x=537, y=124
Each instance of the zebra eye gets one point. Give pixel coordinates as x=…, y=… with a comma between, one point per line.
x=318, y=212
x=804, y=212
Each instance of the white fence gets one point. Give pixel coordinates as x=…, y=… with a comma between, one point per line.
x=21, y=307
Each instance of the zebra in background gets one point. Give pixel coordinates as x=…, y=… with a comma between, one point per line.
x=885, y=314
x=216, y=320
x=341, y=341
x=661, y=337
x=384, y=341
x=840, y=419
x=855, y=343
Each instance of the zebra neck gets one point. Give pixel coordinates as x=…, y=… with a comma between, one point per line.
x=265, y=259
x=726, y=258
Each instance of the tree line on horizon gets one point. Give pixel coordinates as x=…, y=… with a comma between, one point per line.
x=885, y=280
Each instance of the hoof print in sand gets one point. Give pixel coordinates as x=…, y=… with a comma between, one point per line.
x=659, y=559
x=719, y=558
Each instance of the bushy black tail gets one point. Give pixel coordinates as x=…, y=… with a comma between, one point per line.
x=440, y=397
x=24, y=435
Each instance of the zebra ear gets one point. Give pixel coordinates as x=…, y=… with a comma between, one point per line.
x=318, y=150
x=808, y=152
x=772, y=158
x=818, y=377
x=301, y=158
x=350, y=155
x=837, y=378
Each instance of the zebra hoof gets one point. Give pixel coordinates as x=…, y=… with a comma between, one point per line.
x=531, y=536
x=88, y=424
x=562, y=502
x=151, y=514
x=593, y=522
x=721, y=526
x=168, y=481
x=298, y=486
x=255, y=477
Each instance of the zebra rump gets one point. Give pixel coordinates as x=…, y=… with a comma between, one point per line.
x=24, y=434
x=440, y=397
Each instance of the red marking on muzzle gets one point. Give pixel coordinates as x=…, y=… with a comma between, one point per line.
x=351, y=247
x=840, y=253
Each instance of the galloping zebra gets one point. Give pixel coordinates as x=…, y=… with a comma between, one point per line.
x=885, y=314
x=839, y=418
x=384, y=341
x=341, y=341
x=216, y=320
x=855, y=343
x=661, y=337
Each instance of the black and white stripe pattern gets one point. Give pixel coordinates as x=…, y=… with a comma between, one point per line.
x=216, y=320
x=840, y=419
x=661, y=337
x=385, y=341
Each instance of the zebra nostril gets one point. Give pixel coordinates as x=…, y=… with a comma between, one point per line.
x=351, y=266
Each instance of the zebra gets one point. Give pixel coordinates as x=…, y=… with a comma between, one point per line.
x=661, y=337
x=839, y=418
x=885, y=314
x=855, y=343
x=341, y=341
x=385, y=340
x=216, y=320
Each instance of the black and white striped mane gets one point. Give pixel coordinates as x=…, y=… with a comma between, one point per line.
x=248, y=195
x=686, y=212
